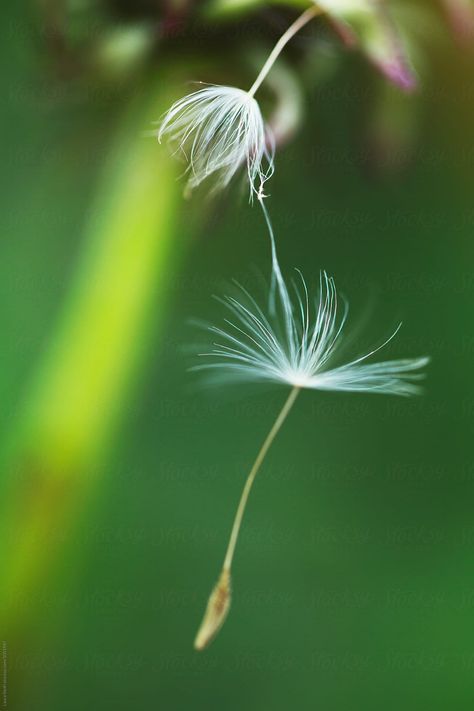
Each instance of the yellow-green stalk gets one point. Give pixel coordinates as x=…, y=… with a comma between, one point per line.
x=77, y=399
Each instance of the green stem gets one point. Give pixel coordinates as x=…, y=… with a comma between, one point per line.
x=292, y=30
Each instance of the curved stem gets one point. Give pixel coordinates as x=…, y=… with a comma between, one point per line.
x=218, y=603
x=253, y=473
x=300, y=22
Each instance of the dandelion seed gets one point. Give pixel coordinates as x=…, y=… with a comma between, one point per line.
x=294, y=341
x=218, y=129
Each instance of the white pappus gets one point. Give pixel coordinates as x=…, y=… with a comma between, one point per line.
x=218, y=129
x=295, y=339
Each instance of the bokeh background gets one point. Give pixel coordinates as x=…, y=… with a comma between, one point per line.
x=353, y=579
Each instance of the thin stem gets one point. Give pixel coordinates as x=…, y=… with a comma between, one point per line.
x=253, y=473
x=276, y=273
x=219, y=600
x=300, y=22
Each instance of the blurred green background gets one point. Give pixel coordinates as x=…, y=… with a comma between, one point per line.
x=354, y=584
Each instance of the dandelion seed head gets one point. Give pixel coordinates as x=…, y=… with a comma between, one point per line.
x=295, y=339
x=219, y=129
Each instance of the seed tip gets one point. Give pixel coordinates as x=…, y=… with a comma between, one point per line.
x=216, y=611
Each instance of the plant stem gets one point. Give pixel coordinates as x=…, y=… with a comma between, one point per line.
x=219, y=600
x=253, y=473
x=295, y=27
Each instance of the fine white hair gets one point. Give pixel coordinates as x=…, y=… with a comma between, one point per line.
x=218, y=129
x=294, y=340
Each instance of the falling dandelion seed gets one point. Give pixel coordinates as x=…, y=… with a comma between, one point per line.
x=219, y=129
x=293, y=341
